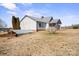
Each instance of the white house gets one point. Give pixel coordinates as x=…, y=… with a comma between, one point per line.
x=35, y=24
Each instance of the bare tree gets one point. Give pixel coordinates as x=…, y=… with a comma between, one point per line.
x=15, y=22
x=52, y=29
x=2, y=24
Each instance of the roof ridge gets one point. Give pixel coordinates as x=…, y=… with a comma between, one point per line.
x=23, y=18
x=45, y=19
x=27, y=16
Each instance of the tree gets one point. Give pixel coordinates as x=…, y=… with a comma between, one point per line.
x=52, y=29
x=2, y=24
x=75, y=26
x=15, y=22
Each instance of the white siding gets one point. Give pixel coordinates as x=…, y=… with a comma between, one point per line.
x=47, y=26
x=28, y=24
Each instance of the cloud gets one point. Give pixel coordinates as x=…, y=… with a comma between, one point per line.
x=32, y=13
x=10, y=6
x=28, y=4
x=70, y=19
x=12, y=12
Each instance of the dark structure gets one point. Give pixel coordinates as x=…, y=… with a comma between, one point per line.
x=15, y=22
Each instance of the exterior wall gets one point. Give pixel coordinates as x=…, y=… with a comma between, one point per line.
x=57, y=26
x=47, y=26
x=28, y=24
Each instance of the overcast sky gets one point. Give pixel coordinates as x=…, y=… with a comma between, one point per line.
x=68, y=13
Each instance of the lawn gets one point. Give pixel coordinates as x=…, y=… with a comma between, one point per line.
x=42, y=43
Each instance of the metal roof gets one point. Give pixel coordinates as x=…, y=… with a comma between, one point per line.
x=19, y=32
x=55, y=21
x=45, y=19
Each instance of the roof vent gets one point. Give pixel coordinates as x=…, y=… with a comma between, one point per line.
x=42, y=16
x=51, y=17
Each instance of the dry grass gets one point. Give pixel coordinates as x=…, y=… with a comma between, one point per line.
x=62, y=43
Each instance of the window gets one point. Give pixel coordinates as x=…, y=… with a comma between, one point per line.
x=40, y=25
x=52, y=24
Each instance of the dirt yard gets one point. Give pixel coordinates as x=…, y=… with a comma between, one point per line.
x=62, y=43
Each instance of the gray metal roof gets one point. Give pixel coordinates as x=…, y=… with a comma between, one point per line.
x=55, y=21
x=45, y=19
x=19, y=32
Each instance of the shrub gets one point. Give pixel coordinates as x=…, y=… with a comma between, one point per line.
x=75, y=26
